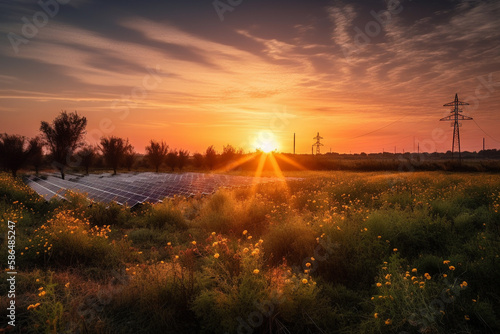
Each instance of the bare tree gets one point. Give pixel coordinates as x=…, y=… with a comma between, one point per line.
x=63, y=137
x=171, y=159
x=113, y=150
x=88, y=155
x=36, y=153
x=182, y=158
x=14, y=152
x=156, y=153
x=210, y=157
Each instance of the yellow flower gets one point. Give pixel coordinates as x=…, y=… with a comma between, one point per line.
x=395, y=249
x=466, y=317
x=213, y=233
x=256, y=271
x=427, y=276
x=304, y=281
x=41, y=288
x=216, y=255
x=388, y=322
x=446, y=261
x=379, y=237
x=444, y=275
x=414, y=270
x=215, y=244
x=245, y=232
x=379, y=285
x=375, y=315
x=169, y=244
x=387, y=283
x=451, y=268
x=193, y=242
x=249, y=237
x=66, y=285
x=245, y=250
x=41, y=294
x=463, y=284
x=308, y=264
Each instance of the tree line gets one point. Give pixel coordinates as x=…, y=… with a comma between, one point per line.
x=63, y=139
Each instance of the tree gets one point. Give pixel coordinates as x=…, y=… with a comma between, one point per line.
x=210, y=157
x=228, y=154
x=198, y=160
x=88, y=155
x=13, y=152
x=36, y=153
x=182, y=158
x=63, y=137
x=113, y=150
x=156, y=153
x=128, y=156
x=171, y=159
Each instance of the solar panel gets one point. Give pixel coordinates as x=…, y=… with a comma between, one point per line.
x=134, y=188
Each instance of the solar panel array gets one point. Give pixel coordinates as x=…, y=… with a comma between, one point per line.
x=134, y=188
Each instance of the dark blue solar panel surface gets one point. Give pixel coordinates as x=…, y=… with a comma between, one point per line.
x=134, y=188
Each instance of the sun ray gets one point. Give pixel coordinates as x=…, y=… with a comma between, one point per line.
x=237, y=163
x=290, y=161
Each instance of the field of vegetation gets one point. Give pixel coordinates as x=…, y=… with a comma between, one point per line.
x=338, y=252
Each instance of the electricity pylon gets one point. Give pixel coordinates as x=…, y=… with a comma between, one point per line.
x=317, y=144
x=456, y=116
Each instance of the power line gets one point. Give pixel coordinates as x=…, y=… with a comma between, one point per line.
x=486, y=133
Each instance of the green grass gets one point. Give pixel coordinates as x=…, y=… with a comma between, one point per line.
x=338, y=252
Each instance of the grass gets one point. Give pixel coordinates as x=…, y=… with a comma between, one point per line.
x=338, y=252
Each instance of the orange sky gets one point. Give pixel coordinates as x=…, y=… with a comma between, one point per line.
x=193, y=80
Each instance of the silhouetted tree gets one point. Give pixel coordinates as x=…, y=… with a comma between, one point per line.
x=182, y=158
x=156, y=153
x=36, y=153
x=14, y=152
x=171, y=159
x=198, y=160
x=113, y=150
x=88, y=155
x=128, y=156
x=63, y=137
x=210, y=157
x=228, y=154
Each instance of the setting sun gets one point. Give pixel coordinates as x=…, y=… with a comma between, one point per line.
x=266, y=142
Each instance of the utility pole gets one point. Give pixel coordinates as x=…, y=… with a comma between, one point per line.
x=294, y=143
x=456, y=116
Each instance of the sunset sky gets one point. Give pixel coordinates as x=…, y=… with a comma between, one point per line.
x=366, y=75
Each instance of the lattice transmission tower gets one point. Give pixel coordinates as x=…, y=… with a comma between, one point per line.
x=318, y=144
x=456, y=116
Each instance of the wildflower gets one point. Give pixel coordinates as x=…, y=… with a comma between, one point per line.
x=414, y=270
x=463, y=284
x=66, y=285
x=245, y=232
x=474, y=300
x=466, y=317
x=245, y=250
x=215, y=244
x=387, y=283
x=169, y=244
x=379, y=285
x=395, y=249
x=256, y=271
x=193, y=242
x=375, y=315
x=379, y=237
x=427, y=276
x=451, y=268
x=444, y=275
x=304, y=281
x=249, y=237
x=40, y=288
x=41, y=294
x=388, y=322
x=308, y=264
x=213, y=233
x=37, y=280
x=446, y=261
x=216, y=255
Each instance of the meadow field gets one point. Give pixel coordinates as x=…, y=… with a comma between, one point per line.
x=335, y=252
